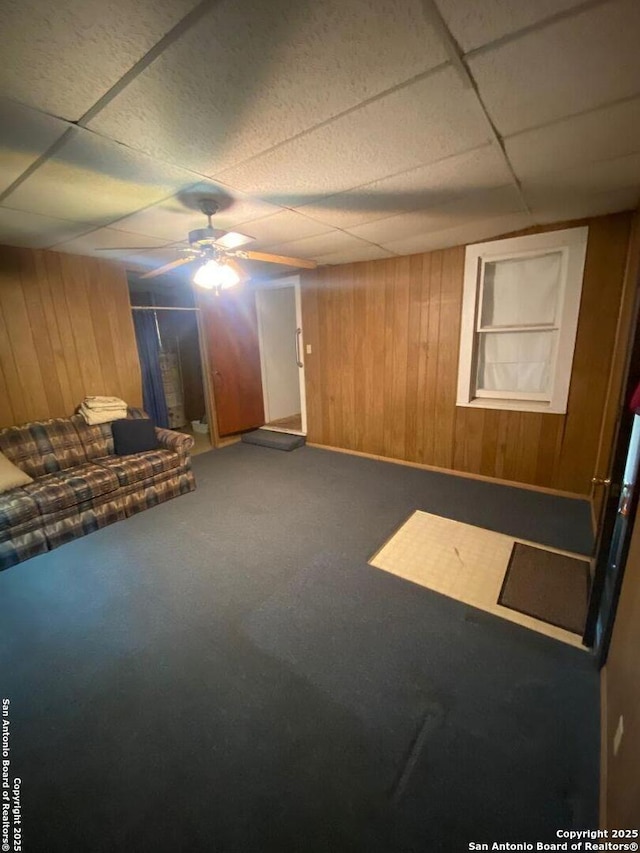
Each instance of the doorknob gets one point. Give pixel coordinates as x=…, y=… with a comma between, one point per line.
x=601, y=481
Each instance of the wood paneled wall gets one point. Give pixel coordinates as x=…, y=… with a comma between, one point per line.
x=382, y=375
x=65, y=332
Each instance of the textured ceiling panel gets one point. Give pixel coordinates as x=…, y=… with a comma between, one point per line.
x=173, y=218
x=477, y=23
x=549, y=206
x=18, y=228
x=283, y=228
x=322, y=245
x=24, y=136
x=460, y=235
x=599, y=135
x=418, y=124
x=424, y=187
x=572, y=66
x=253, y=74
x=90, y=244
x=580, y=183
x=94, y=180
x=500, y=200
x=61, y=57
x=366, y=252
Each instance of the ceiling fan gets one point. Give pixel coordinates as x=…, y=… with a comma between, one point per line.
x=218, y=252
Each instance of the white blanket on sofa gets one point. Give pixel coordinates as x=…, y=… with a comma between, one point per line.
x=101, y=410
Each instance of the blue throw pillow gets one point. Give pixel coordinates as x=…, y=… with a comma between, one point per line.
x=133, y=435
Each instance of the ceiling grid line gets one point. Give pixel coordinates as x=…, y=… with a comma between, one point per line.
x=33, y=167
x=534, y=28
x=189, y=20
x=432, y=13
x=570, y=116
x=423, y=75
x=184, y=24
x=542, y=101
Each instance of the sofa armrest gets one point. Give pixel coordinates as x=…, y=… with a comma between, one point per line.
x=178, y=441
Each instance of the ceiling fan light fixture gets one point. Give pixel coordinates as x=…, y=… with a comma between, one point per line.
x=213, y=274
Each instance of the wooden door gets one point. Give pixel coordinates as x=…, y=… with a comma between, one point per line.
x=231, y=332
x=624, y=375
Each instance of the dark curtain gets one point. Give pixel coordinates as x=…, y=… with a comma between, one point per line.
x=155, y=403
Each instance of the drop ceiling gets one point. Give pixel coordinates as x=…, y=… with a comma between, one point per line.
x=336, y=130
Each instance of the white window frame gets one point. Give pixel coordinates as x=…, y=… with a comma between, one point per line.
x=572, y=243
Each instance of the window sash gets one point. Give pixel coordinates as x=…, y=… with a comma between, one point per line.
x=571, y=245
x=563, y=251
x=543, y=396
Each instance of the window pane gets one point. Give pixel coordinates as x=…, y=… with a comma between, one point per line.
x=515, y=361
x=521, y=292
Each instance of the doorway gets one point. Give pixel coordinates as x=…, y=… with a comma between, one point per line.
x=182, y=375
x=281, y=343
x=176, y=354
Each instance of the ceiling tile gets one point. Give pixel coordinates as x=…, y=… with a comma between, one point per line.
x=424, y=187
x=96, y=242
x=547, y=206
x=431, y=119
x=569, y=67
x=18, y=228
x=475, y=206
x=25, y=135
x=324, y=244
x=609, y=132
x=63, y=57
x=93, y=180
x=173, y=218
x=253, y=74
x=462, y=235
x=366, y=252
x=474, y=24
x=284, y=227
x=603, y=176
x=589, y=189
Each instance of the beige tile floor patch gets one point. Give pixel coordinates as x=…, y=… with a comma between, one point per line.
x=463, y=562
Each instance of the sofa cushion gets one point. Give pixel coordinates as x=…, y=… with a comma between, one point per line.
x=86, y=482
x=133, y=436
x=43, y=447
x=140, y=466
x=96, y=440
x=10, y=475
x=16, y=507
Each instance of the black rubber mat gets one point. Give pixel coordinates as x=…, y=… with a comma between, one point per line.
x=277, y=440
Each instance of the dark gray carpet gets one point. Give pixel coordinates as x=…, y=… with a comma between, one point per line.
x=225, y=672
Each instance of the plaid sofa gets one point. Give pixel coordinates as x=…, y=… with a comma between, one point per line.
x=79, y=484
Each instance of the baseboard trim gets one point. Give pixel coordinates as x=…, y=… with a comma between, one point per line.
x=225, y=442
x=603, y=748
x=452, y=472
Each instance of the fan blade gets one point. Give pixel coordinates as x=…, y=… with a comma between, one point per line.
x=167, y=267
x=237, y=268
x=281, y=259
x=233, y=240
